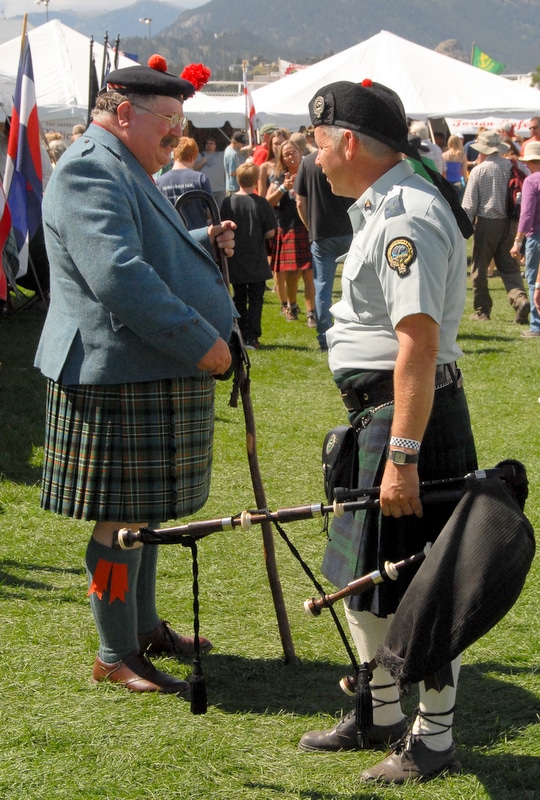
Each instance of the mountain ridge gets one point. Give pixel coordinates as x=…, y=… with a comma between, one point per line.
x=224, y=32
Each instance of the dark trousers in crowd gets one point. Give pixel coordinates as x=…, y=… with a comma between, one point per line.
x=493, y=239
x=248, y=299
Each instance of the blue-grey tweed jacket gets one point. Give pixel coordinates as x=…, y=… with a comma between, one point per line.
x=134, y=296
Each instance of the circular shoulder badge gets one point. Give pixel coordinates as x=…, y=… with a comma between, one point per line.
x=400, y=254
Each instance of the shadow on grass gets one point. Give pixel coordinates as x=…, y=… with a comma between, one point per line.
x=14, y=574
x=22, y=399
x=368, y=794
x=269, y=686
x=503, y=777
x=489, y=709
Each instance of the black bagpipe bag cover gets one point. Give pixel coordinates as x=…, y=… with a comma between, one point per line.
x=469, y=580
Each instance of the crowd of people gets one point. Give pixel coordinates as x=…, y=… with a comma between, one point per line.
x=304, y=249
x=130, y=383
x=310, y=239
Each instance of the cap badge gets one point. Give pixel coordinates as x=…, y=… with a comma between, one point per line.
x=318, y=106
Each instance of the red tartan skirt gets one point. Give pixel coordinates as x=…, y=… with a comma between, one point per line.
x=291, y=250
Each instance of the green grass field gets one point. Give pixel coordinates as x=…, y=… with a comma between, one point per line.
x=63, y=738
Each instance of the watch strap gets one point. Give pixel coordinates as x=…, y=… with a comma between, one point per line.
x=400, y=457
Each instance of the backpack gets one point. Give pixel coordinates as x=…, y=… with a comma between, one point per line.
x=513, y=191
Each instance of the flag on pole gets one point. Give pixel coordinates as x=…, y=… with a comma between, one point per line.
x=250, y=108
x=23, y=174
x=483, y=61
x=5, y=227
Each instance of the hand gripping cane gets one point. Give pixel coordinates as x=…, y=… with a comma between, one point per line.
x=241, y=384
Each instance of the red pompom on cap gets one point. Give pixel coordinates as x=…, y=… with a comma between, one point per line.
x=197, y=74
x=367, y=82
x=157, y=62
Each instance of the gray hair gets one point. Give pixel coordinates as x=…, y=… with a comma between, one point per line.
x=420, y=129
x=377, y=149
x=108, y=102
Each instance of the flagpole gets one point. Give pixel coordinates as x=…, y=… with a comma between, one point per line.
x=472, y=52
x=105, y=46
x=116, y=50
x=23, y=34
x=246, y=100
x=91, y=67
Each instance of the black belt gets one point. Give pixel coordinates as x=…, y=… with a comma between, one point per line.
x=359, y=398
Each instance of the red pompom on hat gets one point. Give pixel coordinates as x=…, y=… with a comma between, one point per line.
x=367, y=82
x=197, y=74
x=157, y=62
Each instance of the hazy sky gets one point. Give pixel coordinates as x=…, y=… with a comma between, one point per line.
x=15, y=8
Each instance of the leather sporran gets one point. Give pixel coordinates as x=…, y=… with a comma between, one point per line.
x=340, y=459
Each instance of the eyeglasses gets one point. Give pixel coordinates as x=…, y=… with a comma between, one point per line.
x=174, y=120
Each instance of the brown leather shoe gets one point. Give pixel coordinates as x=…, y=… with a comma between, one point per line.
x=344, y=736
x=166, y=642
x=138, y=674
x=522, y=309
x=413, y=761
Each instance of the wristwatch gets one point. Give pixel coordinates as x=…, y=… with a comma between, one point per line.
x=400, y=457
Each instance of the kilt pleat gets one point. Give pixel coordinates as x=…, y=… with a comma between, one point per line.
x=128, y=452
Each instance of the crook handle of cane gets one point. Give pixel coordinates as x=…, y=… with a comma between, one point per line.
x=236, y=343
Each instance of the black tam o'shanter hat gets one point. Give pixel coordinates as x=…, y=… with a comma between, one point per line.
x=155, y=79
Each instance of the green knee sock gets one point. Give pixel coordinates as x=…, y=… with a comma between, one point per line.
x=147, y=616
x=112, y=579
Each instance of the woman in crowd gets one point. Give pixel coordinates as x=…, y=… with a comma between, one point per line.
x=456, y=164
x=267, y=167
x=291, y=257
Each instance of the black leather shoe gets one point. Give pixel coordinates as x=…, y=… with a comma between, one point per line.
x=137, y=673
x=343, y=736
x=163, y=641
x=413, y=761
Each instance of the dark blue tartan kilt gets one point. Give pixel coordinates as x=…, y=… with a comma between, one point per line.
x=136, y=452
x=361, y=543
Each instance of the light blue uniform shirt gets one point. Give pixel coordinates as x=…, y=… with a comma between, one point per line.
x=407, y=257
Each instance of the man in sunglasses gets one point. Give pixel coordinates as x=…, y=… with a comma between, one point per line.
x=136, y=332
x=534, y=127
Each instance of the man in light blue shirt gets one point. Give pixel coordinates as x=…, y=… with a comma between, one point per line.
x=232, y=158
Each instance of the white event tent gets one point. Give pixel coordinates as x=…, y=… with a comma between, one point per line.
x=213, y=111
x=430, y=85
x=61, y=62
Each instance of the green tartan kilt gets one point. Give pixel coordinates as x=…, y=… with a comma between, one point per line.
x=361, y=543
x=128, y=452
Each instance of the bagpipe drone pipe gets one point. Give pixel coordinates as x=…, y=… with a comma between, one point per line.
x=466, y=582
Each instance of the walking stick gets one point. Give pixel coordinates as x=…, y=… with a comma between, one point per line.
x=241, y=385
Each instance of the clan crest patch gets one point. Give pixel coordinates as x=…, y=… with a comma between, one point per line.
x=400, y=254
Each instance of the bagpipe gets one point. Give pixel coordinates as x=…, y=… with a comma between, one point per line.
x=466, y=581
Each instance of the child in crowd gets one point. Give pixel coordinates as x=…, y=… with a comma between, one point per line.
x=248, y=268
